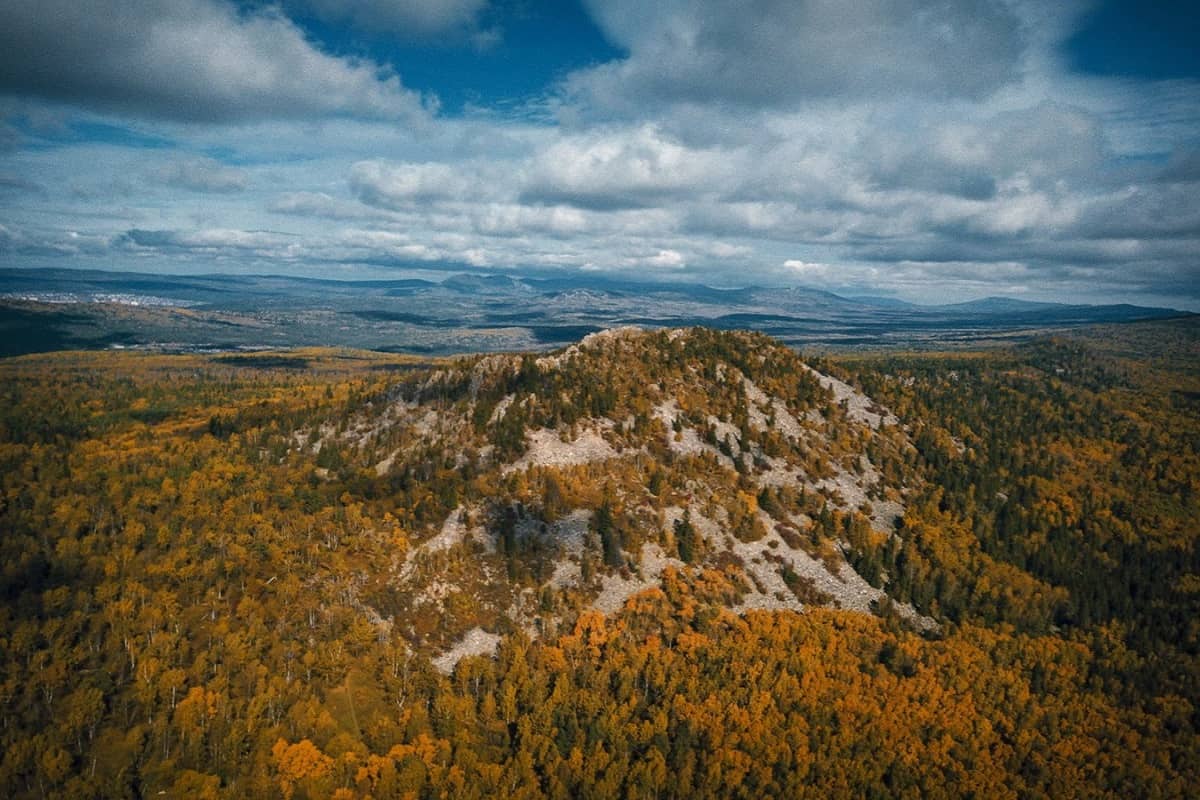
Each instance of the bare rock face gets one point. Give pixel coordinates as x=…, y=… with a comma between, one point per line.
x=858, y=405
x=476, y=642
x=546, y=448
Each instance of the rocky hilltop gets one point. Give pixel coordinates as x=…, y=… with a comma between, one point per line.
x=580, y=477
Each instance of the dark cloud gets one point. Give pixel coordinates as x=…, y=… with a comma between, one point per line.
x=211, y=241
x=927, y=175
x=586, y=201
x=1183, y=167
x=1147, y=212
x=192, y=60
x=203, y=175
x=143, y=238
x=781, y=52
x=1117, y=259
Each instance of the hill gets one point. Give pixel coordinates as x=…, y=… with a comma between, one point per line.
x=681, y=562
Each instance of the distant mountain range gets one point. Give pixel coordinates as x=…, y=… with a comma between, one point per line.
x=470, y=312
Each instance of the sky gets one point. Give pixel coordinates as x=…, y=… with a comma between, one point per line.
x=931, y=150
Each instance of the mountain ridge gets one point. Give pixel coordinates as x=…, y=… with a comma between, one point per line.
x=476, y=312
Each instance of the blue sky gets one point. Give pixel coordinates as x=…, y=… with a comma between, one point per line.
x=509, y=54
x=932, y=150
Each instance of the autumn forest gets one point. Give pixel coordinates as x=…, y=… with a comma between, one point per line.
x=676, y=563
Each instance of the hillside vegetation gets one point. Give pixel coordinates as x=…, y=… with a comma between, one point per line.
x=680, y=563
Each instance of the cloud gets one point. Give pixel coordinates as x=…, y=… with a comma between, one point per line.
x=1149, y=211
x=318, y=205
x=211, y=241
x=668, y=259
x=925, y=149
x=508, y=220
x=620, y=168
x=190, y=60
x=776, y=53
x=1048, y=149
x=408, y=18
x=399, y=185
x=55, y=244
x=611, y=170
x=806, y=269
x=824, y=199
x=203, y=175
x=1183, y=167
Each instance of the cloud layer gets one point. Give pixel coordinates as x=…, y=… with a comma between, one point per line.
x=938, y=151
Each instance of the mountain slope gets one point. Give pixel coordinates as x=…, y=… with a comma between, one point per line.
x=574, y=480
x=680, y=563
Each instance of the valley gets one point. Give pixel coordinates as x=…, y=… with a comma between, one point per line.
x=44, y=310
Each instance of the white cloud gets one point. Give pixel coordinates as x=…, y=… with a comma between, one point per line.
x=513, y=219
x=620, y=168
x=399, y=185
x=807, y=269
x=669, y=259
x=315, y=204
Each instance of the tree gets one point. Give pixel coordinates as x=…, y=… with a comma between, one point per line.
x=610, y=543
x=686, y=540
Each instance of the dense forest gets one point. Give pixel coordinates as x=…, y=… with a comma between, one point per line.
x=704, y=565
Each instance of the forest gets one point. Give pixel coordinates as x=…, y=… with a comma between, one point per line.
x=235, y=576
